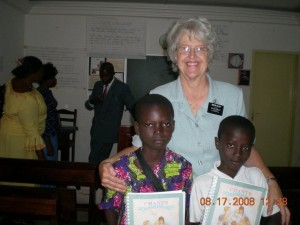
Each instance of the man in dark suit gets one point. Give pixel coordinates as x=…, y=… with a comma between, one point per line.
x=108, y=98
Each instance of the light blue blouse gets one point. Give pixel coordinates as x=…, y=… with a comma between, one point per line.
x=193, y=137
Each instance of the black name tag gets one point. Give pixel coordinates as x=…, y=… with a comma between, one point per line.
x=215, y=109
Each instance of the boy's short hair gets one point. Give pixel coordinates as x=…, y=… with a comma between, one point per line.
x=236, y=121
x=151, y=99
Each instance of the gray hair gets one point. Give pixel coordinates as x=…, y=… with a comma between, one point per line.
x=197, y=26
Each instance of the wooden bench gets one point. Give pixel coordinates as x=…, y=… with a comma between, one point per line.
x=57, y=203
x=288, y=179
x=16, y=201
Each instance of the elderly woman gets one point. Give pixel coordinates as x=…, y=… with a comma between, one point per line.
x=199, y=102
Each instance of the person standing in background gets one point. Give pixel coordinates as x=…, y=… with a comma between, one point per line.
x=108, y=98
x=23, y=121
x=52, y=122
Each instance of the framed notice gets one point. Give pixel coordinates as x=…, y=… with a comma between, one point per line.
x=234, y=202
x=94, y=65
x=244, y=77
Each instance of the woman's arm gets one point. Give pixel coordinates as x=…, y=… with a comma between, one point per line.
x=49, y=146
x=274, y=193
x=255, y=160
x=40, y=154
x=28, y=115
x=108, y=174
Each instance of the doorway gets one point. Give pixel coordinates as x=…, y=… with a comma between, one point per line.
x=272, y=104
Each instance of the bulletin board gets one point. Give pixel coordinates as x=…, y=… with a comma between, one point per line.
x=143, y=75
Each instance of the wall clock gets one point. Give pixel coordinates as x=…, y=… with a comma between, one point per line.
x=236, y=60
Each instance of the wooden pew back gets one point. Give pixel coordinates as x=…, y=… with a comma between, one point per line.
x=289, y=182
x=57, y=173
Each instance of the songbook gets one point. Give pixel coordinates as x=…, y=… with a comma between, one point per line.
x=233, y=202
x=153, y=208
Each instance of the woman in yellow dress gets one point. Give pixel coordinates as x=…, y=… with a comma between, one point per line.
x=23, y=121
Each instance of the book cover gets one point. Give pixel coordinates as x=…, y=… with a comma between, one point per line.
x=156, y=208
x=232, y=202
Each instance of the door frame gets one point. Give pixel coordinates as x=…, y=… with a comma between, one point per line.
x=295, y=110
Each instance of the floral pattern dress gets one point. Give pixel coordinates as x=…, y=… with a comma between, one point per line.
x=174, y=172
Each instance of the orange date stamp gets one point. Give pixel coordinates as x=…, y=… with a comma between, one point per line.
x=241, y=201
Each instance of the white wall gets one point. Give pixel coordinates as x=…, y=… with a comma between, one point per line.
x=11, y=38
x=63, y=25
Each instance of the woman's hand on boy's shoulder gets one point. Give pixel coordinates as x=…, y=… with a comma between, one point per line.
x=108, y=174
x=108, y=178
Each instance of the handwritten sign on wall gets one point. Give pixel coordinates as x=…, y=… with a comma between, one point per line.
x=70, y=64
x=116, y=37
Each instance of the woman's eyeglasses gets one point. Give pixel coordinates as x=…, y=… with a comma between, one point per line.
x=187, y=50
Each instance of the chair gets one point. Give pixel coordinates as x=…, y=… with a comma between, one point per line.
x=67, y=133
x=125, y=136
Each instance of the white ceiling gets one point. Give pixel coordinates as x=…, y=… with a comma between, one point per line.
x=281, y=5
